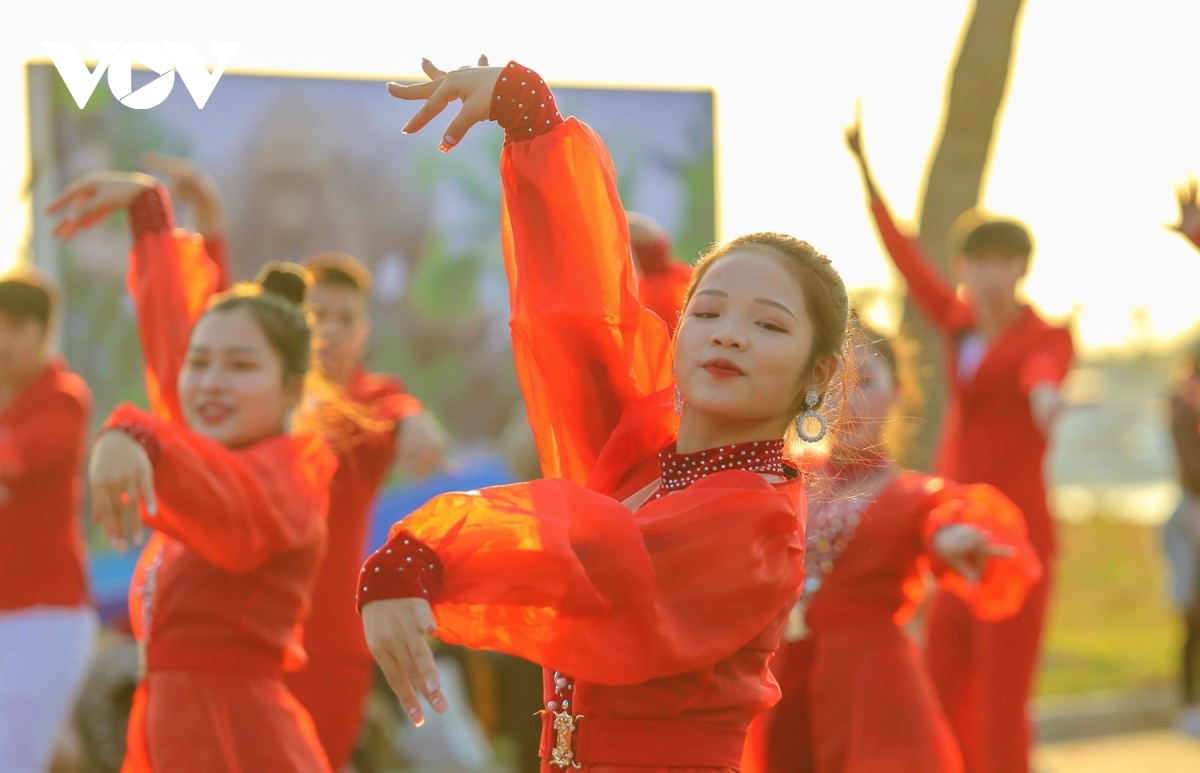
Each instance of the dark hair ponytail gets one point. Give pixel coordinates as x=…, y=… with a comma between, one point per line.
x=276, y=301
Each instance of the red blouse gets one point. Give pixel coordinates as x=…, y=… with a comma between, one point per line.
x=989, y=434
x=664, y=618
x=365, y=454
x=42, y=433
x=225, y=582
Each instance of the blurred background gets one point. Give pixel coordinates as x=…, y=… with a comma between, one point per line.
x=723, y=119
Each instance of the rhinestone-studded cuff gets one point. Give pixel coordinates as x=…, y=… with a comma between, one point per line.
x=150, y=212
x=404, y=568
x=142, y=434
x=523, y=105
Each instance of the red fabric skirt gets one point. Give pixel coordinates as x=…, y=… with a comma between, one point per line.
x=857, y=700
x=202, y=721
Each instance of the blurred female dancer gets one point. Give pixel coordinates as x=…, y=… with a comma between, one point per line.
x=1006, y=366
x=47, y=624
x=856, y=695
x=391, y=428
x=237, y=501
x=652, y=571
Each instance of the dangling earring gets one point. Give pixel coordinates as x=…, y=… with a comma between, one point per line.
x=811, y=399
x=678, y=401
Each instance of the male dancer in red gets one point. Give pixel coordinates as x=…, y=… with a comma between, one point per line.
x=393, y=428
x=46, y=619
x=663, y=279
x=1005, y=365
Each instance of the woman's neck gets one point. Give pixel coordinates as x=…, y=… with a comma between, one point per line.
x=991, y=323
x=698, y=432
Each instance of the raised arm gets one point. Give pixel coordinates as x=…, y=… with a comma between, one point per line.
x=933, y=293
x=1189, y=213
x=584, y=345
x=171, y=277
x=235, y=508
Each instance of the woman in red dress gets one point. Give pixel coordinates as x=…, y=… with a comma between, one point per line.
x=236, y=501
x=856, y=694
x=652, y=571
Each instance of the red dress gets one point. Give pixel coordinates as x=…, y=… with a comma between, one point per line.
x=42, y=433
x=333, y=686
x=664, y=618
x=983, y=671
x=222, y=587
x=856, y=695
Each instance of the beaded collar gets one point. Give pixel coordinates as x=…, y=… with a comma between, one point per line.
x=682, y=470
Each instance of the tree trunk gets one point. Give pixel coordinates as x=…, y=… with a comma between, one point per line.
x=955, y=183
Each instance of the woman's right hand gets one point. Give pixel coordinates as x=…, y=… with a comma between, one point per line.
x=472, y=85
x=1189, y=209
x=93, y=197
x=396, y=631
x=192, y=185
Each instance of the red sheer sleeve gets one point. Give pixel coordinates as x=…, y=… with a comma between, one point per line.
x=583, y=344
x=1006, y=581
x=1050, y=363
x=569, y=578
x=171, y=278
x=235, y=508
x=928, y=288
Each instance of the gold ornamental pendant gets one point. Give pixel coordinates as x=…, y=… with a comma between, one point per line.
x=565, y=726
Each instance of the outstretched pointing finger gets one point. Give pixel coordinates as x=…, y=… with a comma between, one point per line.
x=413, y=91
x=442, y=95
x=433, y=72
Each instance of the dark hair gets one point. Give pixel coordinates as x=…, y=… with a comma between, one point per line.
x=824, y=291
x=338, y=268
x=1006, y=237
x=276, y=301
x=29, y=294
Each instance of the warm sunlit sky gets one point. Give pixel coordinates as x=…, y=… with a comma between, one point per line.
x=1102, y=116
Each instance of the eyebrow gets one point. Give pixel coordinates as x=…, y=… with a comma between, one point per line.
x=243, y=349
x=764, y=301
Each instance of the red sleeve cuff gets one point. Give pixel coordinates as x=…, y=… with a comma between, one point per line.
x=523, y=105
x=150, y=212
x=404, y=568
x=143, y=434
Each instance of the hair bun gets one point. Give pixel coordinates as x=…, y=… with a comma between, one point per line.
x=287, y=280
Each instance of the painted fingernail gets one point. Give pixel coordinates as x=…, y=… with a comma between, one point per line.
x=431, y=685
x=392, y=83
x=439, y=705
x=448, y=140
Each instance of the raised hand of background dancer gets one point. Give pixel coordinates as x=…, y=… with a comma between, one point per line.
x=472, y=85
x=93, y=197
x=1189, y=211
x=396, y=631
x=967, y=549
x=193, y=186
x=421, y=446
x=854, y=142
x=120, y=476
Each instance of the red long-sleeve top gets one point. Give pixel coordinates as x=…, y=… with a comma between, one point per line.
x=667, y=614
x=225, y=582
x=42, y=433
x=989, y=434
x=365, y=452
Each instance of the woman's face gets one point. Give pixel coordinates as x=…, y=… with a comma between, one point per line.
x=744, y=340
x=232, y=387
x=870, y=403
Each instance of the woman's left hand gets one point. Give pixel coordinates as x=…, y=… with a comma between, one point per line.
x=966, y=549
x=472, y=85
x=421, y=445
x=120, y=476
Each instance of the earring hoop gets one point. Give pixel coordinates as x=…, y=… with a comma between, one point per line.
x=811, y=400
